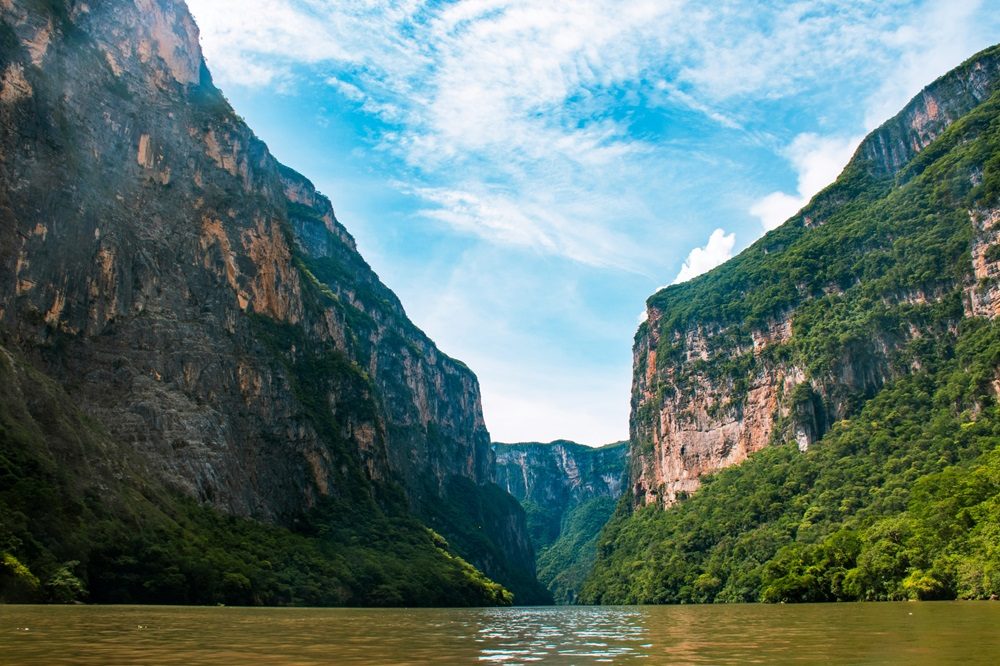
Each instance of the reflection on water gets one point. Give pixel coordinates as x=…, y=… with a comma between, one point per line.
x=924, y=633
x=572, y=635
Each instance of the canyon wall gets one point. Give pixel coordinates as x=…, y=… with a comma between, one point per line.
x=201, y=301
x=748, y=354
x=559, y=475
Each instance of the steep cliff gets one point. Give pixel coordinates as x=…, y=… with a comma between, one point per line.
x=851, y=355
x=201, y=302
x=730, y=361
x=568, y=492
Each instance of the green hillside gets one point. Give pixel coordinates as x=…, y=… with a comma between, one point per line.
x=899, y=498
x=564, y=564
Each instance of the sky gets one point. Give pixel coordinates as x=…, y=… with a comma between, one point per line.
x=524, y=174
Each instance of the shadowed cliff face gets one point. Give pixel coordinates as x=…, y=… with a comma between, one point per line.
x=198, y=299
x=738, y=358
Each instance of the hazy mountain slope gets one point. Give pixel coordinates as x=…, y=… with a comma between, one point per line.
x=861, y=333
x=201, y=304
x=569, y=492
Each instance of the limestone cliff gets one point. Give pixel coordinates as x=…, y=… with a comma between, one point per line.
x=557, y=476
x=749, y=353
x=198, y=299
x=568, y=492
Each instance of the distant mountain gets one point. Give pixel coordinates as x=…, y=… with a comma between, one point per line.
x=569, y=492
x=844, y=373
x=208, y=395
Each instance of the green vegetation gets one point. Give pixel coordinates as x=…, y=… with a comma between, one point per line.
x=543, y=523
x=71, y=531
x=477, y=521
x=899, y=498
x=900, y=502
x=564, y=565
x=338, y=555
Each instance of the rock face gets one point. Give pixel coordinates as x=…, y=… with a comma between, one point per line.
x=198, y=299
x=726, y=363
x=569, y=492
x=897, y=141
x=559, y=475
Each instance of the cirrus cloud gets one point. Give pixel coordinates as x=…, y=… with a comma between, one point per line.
x=559, y=142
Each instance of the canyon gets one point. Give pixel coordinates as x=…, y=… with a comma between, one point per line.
x=207, y=395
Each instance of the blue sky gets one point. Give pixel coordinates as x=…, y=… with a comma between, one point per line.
x=524, y=174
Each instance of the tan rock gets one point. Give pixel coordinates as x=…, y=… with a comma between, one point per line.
x=14, y=87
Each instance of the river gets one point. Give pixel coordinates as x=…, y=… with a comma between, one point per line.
x=883, y=633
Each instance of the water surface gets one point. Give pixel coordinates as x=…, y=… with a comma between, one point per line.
x=903, y=633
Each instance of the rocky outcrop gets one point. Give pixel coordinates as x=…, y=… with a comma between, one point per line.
x=560, y=474
x=569, y=491
x=737, y=359
x=897, y=141
x=198, y=299
x=983, y=297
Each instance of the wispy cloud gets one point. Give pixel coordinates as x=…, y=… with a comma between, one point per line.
x=777, y=49
x=529, y=218
x=516, y=93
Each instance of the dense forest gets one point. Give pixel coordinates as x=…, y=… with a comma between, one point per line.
x=902, y=501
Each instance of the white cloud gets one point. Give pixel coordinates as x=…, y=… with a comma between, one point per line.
x=516, y=94
x=818, y=161
x=347, y=89
x=527, y=218
x=703, y=259
x=773, y=50
x=677, y=95
x=486, y=216
x=775, y=208
x=255, y=47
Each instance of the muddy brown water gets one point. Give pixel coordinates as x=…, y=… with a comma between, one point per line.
x=885, y=633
